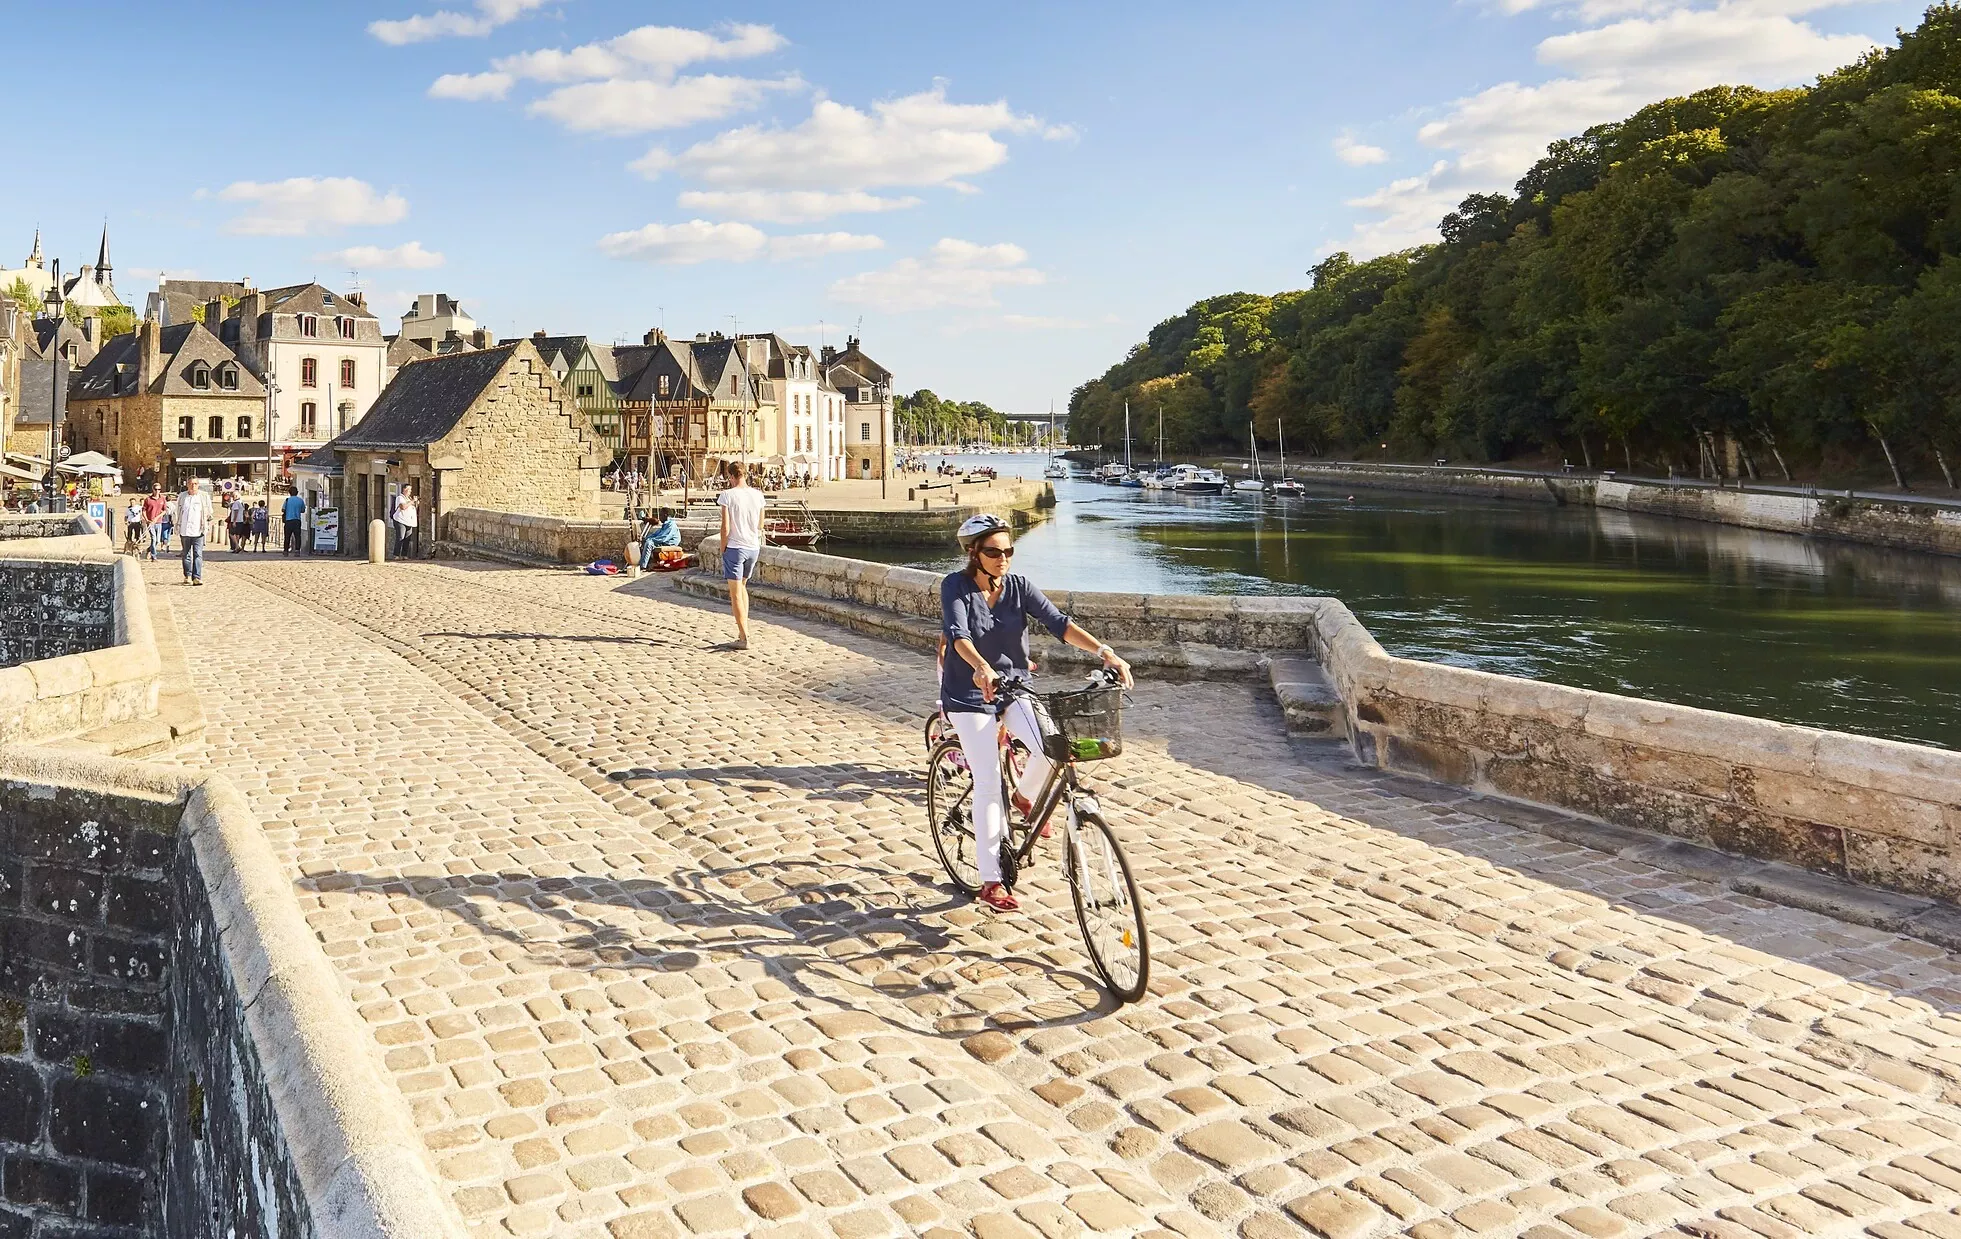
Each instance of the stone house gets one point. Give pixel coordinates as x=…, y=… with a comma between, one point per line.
x=490, y=428
x=170, y=403
x=589, y=373
x=867, y=390
x=189, y=301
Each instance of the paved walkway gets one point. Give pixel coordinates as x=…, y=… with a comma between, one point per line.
x=649, y=936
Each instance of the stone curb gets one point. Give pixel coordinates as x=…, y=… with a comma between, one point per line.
x=357, y=1153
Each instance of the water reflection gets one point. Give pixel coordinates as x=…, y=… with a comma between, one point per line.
x=1830, y=634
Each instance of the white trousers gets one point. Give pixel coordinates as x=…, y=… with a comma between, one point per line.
x=978, y=740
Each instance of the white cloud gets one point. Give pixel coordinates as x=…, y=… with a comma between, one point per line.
x=445, y=23
x=471, y=86
x=658, y=51
x=919, y=139
x=637, y=105
x=409, y=256
x=953, y=273
x=699, y=241
x=1356, y=154
x=1607, y=71
x=303, y=205
x=1041, y=322
x=788, y=206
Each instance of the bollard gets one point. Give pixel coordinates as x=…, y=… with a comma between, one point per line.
x=926, y=504
x=911, y=494
x=632, y=560
x=377, y=541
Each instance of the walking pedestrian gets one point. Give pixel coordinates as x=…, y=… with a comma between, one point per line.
x=155, y=508
x=194, y=520
x=406, y=519
x=742, y=544
x=237, y=522
x=261, y=520
x=293, y=510
x=133, y=527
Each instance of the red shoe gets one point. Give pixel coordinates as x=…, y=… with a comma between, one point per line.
x=999, y=897
x=1027, y=810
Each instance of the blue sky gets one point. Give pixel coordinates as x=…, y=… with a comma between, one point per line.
x=1008, y=195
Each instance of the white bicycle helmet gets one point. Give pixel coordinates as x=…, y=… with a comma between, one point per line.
x=974, y=528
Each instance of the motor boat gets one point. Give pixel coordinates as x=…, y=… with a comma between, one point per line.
x=1154, y=480
x=1111, y=475
x=1192, y=480
x=1287, y=488
x=1249, y=484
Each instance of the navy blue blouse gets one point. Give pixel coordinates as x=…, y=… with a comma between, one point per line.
x=1000, y=633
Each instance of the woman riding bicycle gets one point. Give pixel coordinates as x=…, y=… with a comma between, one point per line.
x=984, y=614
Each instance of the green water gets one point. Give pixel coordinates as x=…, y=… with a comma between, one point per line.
x=1831, y=635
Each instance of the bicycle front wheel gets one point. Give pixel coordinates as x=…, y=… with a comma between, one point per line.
x=1108, y=908
x=950, y=813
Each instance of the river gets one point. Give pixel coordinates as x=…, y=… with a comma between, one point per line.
x=1827, y=634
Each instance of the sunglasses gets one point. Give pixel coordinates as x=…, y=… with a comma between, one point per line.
x=998, y=552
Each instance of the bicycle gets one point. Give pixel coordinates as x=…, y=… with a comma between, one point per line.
x=1077, y=726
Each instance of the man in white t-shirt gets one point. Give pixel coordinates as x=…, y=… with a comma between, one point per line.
x=742, y=544
x=194, y=517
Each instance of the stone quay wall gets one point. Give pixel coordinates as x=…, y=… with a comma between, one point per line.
x=540, y=539
x=177, y=1057
x=1871, y=811
x=1904, y=525
x=77, y=639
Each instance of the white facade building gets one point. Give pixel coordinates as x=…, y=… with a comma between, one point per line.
x=433, y=318
x=323, y=352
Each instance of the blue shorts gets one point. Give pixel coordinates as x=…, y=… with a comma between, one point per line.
x=739, y=563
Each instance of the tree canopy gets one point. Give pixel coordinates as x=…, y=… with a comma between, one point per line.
x=1774, y=270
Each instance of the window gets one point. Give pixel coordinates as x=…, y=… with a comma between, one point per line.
x=347, y=372
x=663, y=386
x=187, y=428
x=309, y=372
x=725, y=425
x=309, y=416
x=346, y=326
x=585, y=389
x=228, y=377
x=309, y=325
x=215, y=428
x=200, y=376
x=864, y=432
x=346, y=413
x=244, y=427
x=733, y=389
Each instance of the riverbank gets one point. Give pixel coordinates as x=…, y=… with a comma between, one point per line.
x=1870, y=518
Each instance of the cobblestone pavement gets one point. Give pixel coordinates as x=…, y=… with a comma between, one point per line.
x=650, y=936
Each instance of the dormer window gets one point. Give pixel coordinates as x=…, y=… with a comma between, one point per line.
x=345, y=326
x=200, y=376
x=327, y=299
x=228, y=377
x=309, y=325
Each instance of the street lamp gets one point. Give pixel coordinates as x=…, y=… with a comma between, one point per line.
x=54, y=382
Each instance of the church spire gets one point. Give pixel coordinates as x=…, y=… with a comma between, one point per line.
x=34, y=256
x=102, y=255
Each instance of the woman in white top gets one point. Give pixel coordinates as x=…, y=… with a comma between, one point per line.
x=406, y=526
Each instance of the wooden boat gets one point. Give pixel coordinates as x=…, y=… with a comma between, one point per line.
x=790, y=523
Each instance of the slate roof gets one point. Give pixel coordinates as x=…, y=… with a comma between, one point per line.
x=426, y=400
x=551, y=347
x=603, y=356
x=402, y=351
x=311, y=299
x=205, y=290
x=113, y=371
x=39, y=391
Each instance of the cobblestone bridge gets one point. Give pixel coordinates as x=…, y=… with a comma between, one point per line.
x=649, y=936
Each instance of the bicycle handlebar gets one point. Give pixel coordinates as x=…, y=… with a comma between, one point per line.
x=1015, y=685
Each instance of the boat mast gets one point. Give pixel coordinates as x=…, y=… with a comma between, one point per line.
x=1126, y=436
x=1281, y=428
x=1160, y=434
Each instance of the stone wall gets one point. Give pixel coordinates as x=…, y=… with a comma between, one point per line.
x=85, y=903
x=543, y=539
x=1872, y=811
x=1901, y=524
x=85, y=674
x=526, y=448
x=928, y=524
x=177, y=1057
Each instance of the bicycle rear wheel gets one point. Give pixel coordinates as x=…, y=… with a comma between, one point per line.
x=1108, y=908
x=950, y=813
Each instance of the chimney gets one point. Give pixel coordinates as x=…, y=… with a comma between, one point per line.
x=481, y=338
x=851, y=344
x=654, y=336
x=250, y=307
x=214, y=314
x=149, y=353
x=828, y=355
x=538, y=335
x=358, y=299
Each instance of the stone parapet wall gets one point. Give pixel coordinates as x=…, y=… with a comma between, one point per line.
x=177, y=1057
x=544, y=539
x=1872, y=811
x=96, y=608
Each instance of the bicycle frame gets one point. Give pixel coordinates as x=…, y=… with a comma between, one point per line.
x=1061, y=781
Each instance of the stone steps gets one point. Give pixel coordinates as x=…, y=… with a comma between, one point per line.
x=1308, y=697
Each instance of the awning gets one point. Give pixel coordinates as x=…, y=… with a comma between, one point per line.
x=8, y=471
x=216, y=453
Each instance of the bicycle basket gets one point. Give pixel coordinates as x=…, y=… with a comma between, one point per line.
x=1087, y=725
